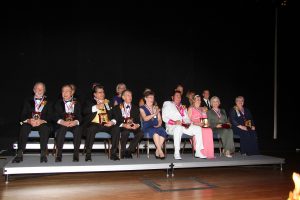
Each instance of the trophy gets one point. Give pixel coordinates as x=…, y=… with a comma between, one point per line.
x=103, y=118
x=36, y=115
x=129, y=120
x=69, y=117
x=205, y=122
x=248, y=124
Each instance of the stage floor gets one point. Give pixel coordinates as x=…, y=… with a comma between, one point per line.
x=100, y=163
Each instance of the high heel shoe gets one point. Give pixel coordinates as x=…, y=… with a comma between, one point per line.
x=157, y=157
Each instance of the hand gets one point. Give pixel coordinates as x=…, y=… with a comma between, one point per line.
x=178, y=122
x=253, y=128
x=135, y=126
x=243, y=127
x=219, y=126
x=71, y=123
x=127, y=126
x=32, y=122
x=100, y=106
x=64, y=123
x=109, y=124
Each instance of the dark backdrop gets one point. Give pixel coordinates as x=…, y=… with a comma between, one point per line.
x=227, y=48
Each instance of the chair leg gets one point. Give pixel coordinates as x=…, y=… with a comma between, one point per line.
x=165, y=147
x=54, y=149
x=119, y=149
x=148, y=149
x=138, y=151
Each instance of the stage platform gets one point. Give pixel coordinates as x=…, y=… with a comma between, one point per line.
x=101, y=163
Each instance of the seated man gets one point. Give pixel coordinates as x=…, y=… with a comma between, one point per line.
x=67, y=114
x=128, y=119
x=98, y=118
x=177, y=122
x=35, y=116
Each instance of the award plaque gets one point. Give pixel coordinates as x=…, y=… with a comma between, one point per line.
x=248, y=124
x=226, y=126
x=205, y=122
x=36, y=115
x=185, y=125
x=69, y=117
x=129, y=120
x=103, y=118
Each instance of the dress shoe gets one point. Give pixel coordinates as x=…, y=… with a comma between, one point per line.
x=227, y=154
x=43, y=159
x=162, y=158
x=200, y=155
x=177, y=156
x=18, y=159
x=114, y=157
x=128, y=155
x=157, y=157
x=75, y=158
x=88, y=157
x=58, y=159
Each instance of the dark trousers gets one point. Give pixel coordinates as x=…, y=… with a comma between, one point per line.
x=60, y=138
x=44, y=132
x=94, y=128
x=138, y=136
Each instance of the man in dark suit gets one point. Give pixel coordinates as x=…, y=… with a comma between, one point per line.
x=98, y=118
x=206, y=99
x=128, y=119
x=67, y=115
x=36, y=116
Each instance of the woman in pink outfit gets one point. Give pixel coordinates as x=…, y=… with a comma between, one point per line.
x=197, y=114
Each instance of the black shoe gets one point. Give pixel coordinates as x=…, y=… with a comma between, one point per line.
x=128, y=155
x=162, y=158
x=18, y=159
x=157, y=157
x=58, y=159
x=75, y=158
x=44, y=159
x=88, y=157
x=114, y=157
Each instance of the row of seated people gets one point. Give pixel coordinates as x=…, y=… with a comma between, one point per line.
x=119, y=121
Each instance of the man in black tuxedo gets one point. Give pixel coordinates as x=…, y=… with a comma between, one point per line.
x=206, y=99
x=98, y=118
x=128, y=119
x=36, y=116
x=67, y=115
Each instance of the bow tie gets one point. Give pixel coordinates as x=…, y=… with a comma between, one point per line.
x=127, y=107
x=38, y=99
x=68, y=101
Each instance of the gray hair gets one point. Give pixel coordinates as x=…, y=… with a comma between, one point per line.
x=119, y=85
x=214, y=98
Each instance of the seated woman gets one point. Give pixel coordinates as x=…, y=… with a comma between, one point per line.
x=118, y=98
x=243, y=125
x=152, y=123
x=219, y=123
x=197, y=114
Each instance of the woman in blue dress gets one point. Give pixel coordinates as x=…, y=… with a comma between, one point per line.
x=151, y=123
x=243, y=125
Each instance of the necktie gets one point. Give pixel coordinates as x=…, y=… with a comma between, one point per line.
x=208, y=104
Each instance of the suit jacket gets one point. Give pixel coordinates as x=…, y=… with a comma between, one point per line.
x=29, y=107
x=203, y=103
x=134, y=113
x=89, y=115
x=170, y=112
x=60, y=111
